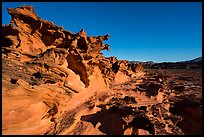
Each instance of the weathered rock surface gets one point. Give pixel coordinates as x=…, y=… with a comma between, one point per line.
x=58, y=82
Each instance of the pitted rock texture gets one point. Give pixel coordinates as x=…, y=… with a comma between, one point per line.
x=58, y=82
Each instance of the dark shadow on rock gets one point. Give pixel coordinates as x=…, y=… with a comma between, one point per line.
x=192, y=116
x=151, y=89
x=141, y=122
x=111, y=121
x=113, y=124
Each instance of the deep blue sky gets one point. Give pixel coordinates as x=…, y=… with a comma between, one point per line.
x=142, y=31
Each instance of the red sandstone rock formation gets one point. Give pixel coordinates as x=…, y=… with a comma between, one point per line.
x=40, y=53
x=33, y=37
x=58, y=82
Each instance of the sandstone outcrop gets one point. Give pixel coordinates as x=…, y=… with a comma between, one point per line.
x=55, y=81
x=37, y=40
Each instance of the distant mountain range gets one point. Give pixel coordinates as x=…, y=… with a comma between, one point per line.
x=190, y=64
x=199, y=59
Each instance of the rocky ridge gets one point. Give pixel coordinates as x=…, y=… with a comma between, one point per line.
x=58, y=82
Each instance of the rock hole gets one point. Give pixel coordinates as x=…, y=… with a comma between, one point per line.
x=52, y=119
x=81, y=43
x=129, y=99
x=6, y=42
x=37, y=75
x=143, y=108
x=13, y=81
x=49, y=81
x=115, y=67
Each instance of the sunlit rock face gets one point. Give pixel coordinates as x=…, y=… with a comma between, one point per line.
x=55, y=81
